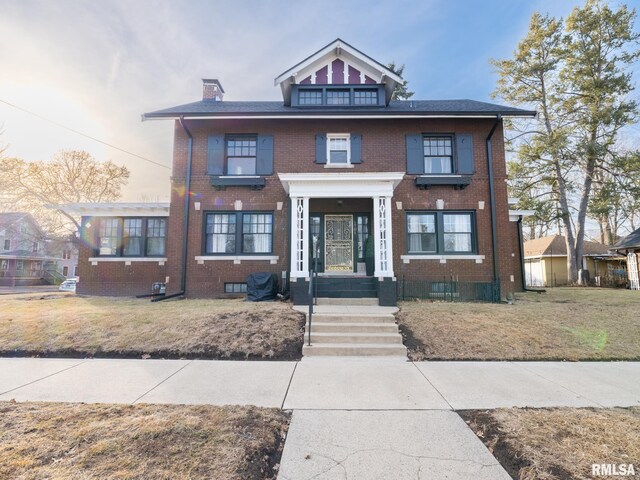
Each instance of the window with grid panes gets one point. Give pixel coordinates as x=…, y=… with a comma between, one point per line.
x=241, y=155
x=438, y=154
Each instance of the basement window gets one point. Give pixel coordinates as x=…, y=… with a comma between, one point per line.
x=235, y=288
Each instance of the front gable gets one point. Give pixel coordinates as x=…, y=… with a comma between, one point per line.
x=338, y=64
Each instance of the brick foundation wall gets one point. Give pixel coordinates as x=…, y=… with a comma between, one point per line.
x=383, y=149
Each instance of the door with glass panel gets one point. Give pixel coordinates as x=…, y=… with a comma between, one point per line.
x=338, y=243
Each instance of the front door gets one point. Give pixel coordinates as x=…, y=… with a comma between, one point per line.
x=338, y=243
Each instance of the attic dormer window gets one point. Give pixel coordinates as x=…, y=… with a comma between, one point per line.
x=311, y=97
x=338, y=97
x=367, y=96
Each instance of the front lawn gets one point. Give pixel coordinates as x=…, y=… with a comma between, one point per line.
x=561, y=324
x=69, y=325
x=560, y=443
x=77, y=441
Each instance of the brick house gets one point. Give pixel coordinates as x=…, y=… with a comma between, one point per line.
x=379, y=196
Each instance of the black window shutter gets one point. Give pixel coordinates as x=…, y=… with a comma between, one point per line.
x=264, y=161
x=356, y=148
x=415, y=155
x=321, y=148
x=215, y=155
x=464, y=150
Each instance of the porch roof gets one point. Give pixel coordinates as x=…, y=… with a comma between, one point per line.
x=340, y=184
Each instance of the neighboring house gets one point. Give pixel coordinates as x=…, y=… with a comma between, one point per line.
x=630, y=246
x=546, y=263
x=381, y=195
x=66, y=250
x=24, y=259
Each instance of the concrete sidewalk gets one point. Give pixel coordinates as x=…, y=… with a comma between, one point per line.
x=360, y=418
x=324, y=384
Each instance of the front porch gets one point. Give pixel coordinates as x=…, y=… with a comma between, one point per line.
x=341, y=229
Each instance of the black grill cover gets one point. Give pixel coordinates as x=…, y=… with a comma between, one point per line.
x=262, y=286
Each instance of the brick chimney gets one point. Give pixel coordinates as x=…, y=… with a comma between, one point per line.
x=212, y=89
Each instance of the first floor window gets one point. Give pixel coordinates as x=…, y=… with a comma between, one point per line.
x=421, y=229
x=108, y=236
x=221, y=233
x=257, y=232
x=457, y=232
x=156, y=235
x=4, y=264
x=241, y=155
x=239, y=233
x=20, y=265
x=132, y=237
x=438, y=154
x=362, y=229
x=440, y=232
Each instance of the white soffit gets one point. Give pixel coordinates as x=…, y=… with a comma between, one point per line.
x=119, y=209
x=341, y=185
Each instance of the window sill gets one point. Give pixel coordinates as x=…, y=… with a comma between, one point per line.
x=127, y=260
x=423, y=182
x=237, y=259
x=252, y=181
x=339, y=165
x=442, y=258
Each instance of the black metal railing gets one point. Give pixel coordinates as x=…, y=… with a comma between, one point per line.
x=448, y=290
x=313, y=291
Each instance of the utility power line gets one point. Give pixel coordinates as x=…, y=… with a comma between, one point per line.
x=84, y=134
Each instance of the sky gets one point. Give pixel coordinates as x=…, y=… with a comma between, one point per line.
x=96, y=66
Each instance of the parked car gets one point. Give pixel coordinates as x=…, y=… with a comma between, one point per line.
x=69, y=285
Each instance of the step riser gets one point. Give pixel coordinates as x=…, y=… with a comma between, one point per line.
x=355, y=339
x=347, y=301
x=359, y=328
x=354, y=351
x=328, y=318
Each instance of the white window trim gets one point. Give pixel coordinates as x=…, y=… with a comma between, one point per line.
x=237, y=259
x=442, y=258
x=127, y=260
x=333, y=136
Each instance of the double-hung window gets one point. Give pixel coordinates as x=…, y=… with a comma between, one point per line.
x=238, y=233
x=338, y=149
x=421, y=233
x=7, y=244
x=241, y=155
x=440, y=232
x=156, y=234
x=108, y=236
x=438, y=154
x=132, y=237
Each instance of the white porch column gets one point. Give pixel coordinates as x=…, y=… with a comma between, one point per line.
x=299, y=237
x=383, y=247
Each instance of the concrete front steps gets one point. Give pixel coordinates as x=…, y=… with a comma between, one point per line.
x=338, y=332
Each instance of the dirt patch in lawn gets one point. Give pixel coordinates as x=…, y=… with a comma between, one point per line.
x=74, y=326
x=559, y=443
x=77, y=441
x=562, y=324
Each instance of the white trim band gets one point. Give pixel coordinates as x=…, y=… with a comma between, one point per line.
x=237, y=259
x=442, y=258
x=127, y=260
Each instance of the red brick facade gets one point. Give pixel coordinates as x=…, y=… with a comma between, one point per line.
x=383, y=150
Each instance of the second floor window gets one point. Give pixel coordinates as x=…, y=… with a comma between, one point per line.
x=338, y=149
x=7, y=244
x=241, y=155
x=438, y=154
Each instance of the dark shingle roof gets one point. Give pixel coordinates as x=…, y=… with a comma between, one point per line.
x=396, y=107
x=630, y=241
